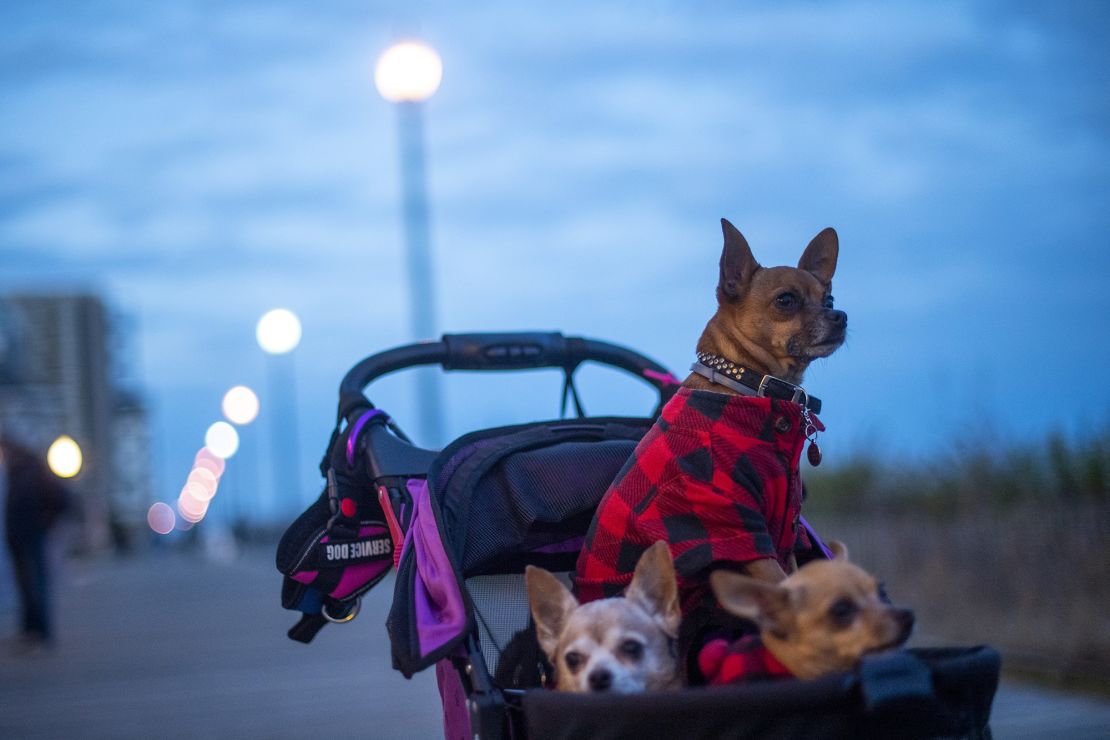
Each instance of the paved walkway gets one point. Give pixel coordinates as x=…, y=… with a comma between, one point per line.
x=173, y=647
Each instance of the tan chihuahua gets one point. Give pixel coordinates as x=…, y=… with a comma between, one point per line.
x=772, y=321
x=823, y=618
x=718, y=473
x=624, y=645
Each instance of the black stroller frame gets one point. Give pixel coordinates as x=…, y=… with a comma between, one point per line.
x=461, y=524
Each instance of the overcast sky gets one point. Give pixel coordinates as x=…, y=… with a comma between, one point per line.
x=200, y=162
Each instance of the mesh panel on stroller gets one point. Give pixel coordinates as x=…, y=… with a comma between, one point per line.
x=463, y=524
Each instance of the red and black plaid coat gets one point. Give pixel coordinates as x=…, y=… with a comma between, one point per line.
x=747, y=659
x=717, y=479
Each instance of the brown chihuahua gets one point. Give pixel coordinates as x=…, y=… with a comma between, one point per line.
x=623, y=645
x=717, y=476
x=772, y=321
x=823, y=618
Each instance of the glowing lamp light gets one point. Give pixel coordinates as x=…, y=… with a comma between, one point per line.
x=194, y=497
x=278, y=331
x=161, y=518
x=222, y=440
x=202, y=484
x=240, y=405
x=190, y=509
x=209, y=461
x=64, y=457
x=185, y=515
x=408, y=72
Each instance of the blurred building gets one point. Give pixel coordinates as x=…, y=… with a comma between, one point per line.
x=131, y=493
x=57, y=377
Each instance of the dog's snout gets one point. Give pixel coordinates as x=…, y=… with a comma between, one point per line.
x=836, y=318
x=601, y=679
x=905, y=620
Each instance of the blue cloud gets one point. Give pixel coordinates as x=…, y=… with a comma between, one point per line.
x=205, y=161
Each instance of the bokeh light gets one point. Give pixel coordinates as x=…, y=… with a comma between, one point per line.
x=161, y=518
x=207, y=459
x=408, y=72
x=240, y=405
x=64, y=457
x=202, y=484
x=189, y=507
x=221, y=439
x=278, y=331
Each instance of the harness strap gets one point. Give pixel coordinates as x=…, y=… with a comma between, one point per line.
x=307, y=627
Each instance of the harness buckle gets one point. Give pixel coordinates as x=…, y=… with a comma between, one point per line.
x=769, y=384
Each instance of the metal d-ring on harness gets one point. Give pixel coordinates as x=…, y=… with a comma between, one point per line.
x=351, y=613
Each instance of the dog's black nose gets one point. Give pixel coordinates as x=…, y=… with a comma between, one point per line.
x=905, y=622
x=600, y=679
x=836, y=318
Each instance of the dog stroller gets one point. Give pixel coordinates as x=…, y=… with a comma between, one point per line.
x=460, y=525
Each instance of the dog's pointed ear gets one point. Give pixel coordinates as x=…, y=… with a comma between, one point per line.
x=839, y=550
x=737, y=264
x=655, y=588
x=766, y=604
x=819, y=259
x=551, y=603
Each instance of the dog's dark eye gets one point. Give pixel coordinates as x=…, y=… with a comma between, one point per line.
x=573, y=660
x=632, y=649
x=786, y=301
x=842, y=612
x=828, y=302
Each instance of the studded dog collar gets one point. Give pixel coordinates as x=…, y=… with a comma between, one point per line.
x=744, y=380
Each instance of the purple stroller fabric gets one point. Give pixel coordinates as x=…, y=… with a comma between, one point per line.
x=440, y=610
x=456, y=717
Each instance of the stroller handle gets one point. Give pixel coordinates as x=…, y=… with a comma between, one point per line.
x=501, y=351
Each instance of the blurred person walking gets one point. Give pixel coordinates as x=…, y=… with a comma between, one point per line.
x=35, y=499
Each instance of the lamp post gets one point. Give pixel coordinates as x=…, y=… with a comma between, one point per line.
x=240, y=406
x=406, y=75
x=278, y=334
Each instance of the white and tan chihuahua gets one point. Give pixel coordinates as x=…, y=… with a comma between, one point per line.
x=624, y=645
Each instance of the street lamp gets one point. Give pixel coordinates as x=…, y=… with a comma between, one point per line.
x=278, y=333
x=406, y=75
x=64, y=457
x=408, y=72
x=222, y=440
x=161, y=518
x=240, y=405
